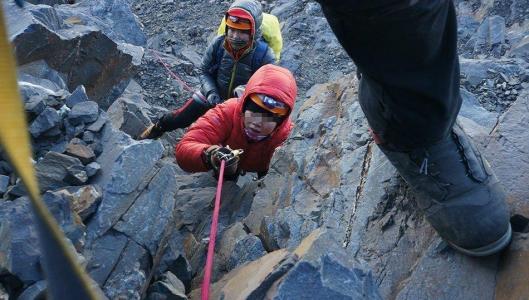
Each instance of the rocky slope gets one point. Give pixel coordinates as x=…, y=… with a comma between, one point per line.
x=332, y=219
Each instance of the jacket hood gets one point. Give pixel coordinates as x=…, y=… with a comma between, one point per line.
x=254, y=9
x=274, y=81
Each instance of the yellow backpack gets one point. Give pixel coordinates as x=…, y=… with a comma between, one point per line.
x=270, y=30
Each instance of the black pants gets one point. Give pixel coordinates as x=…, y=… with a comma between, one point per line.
x=407, y=55
x=194, y=108
x=409, y=92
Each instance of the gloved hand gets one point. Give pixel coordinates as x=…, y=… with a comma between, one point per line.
x=213, y=99
x=214, y=155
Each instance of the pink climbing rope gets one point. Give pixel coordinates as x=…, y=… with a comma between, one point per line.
x=213, y=235
x=181, y=82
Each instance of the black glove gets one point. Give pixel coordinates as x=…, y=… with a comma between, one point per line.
x=213, y=99
x=213, y=156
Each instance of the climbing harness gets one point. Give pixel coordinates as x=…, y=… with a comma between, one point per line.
x=65, y=278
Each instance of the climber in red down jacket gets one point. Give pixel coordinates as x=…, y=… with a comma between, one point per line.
x=257, y=123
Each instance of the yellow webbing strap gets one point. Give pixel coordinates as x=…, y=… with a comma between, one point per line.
x=65, y=278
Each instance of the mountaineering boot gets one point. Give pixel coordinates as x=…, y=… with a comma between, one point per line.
x=193, y=109
x=458, y=192
x=152, y=132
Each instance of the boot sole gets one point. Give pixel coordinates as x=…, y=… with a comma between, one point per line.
x=487, y=250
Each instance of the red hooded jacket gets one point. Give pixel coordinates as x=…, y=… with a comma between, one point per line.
x=223, y=125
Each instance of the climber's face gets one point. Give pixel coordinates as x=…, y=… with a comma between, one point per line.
x=237, y=38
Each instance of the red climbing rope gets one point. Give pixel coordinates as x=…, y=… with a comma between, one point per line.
x=213, y=235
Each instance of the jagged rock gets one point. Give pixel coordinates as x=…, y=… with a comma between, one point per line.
x=473, y=110
x=84, y=112
x=77, y=96
x=507, y=152
x=105, y=252
x=87, y=55
x=467, y=277
x=84, y=200
x=285, y=229
x=521, y=49
x=99, y=124
x=34, y=106
x=34, y=292
x=318, y=269
x=174, y=261
x=52, y=171
x=128, y=112
x=477, y=70
x=82, y=152
x=237, y=247
x=89, y=137
x=169, y=287
x=46, y=121
x=114, y=17
x=50, y=2
x=40, y=74
x=20, y=247
x=146, y=220
x=490, y=36
x=4, y=183
x=92, y=169
x=130, y=167
x=129, y=274
x=512, y=272
x=249, y=248
x=191, y=55
x=76, y=175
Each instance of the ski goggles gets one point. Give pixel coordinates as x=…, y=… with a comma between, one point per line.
x=270, y=104
x=238, y=23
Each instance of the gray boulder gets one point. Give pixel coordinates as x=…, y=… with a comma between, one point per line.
x=490, y=37
x=98, y=63
x=129, y=112
x=169, y=287
x=77, y=96
x=53, y=170
x=77, y=148
x=507, y=152
x=19, y=235
x=4, y=183
x=472, y=109
x=521, y=49
x=114, y=17
x=83, y=112
x=83, y=199
x=46, y=121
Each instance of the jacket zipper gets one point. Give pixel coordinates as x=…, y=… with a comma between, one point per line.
x=230, y=86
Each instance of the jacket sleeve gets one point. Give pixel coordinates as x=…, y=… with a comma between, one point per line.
x=211, y=129
x=209, y=67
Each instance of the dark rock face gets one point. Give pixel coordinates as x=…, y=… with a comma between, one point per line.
x=53, y=170
x=113, y=17
x=20, y=246
x=87, y=55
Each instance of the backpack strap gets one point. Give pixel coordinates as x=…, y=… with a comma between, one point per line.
x=259, y=54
